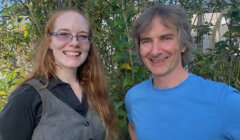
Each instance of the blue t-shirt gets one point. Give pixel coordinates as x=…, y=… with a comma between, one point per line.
x=196, y=109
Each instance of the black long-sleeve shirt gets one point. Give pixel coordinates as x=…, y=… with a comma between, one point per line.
x=23, y=111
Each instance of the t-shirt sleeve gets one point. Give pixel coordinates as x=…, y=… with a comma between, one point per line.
x=128, y=107
x=18, y=117
x=231, y=114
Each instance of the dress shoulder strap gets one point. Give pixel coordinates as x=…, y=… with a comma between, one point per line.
x=43, y=92
x=35, y=83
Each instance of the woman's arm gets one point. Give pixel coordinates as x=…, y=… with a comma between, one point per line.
x=18, y=117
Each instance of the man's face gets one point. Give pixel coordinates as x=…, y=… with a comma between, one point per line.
x=160, y=49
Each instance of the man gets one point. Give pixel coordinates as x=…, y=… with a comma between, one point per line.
x=175, y=104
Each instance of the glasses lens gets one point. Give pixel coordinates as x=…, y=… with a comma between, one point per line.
x=64, y=36
x=83, y=38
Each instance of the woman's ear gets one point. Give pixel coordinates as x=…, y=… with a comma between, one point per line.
x=50, y=43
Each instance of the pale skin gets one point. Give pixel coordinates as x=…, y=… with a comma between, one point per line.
x=161, y=53
x=69, y=76
x=72, y=54
x=132, y=131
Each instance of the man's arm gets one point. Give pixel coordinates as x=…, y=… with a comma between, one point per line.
x=132, y=131
x=231, y=114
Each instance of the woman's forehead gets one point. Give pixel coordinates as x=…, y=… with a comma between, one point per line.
x=71, y=20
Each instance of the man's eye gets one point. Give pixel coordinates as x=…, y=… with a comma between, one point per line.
x=167, y=38
x=145, y=42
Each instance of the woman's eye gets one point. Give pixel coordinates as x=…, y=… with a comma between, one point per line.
x=83, y=36
x=64, y=34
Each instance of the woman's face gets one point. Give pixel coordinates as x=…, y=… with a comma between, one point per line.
x=70, y=41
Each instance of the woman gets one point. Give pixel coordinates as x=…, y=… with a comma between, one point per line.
x=65, y=97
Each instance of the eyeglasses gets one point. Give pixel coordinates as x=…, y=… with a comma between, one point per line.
x=67, y=37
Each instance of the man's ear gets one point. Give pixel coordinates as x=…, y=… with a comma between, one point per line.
x=183, y=49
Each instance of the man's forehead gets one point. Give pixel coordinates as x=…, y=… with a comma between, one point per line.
x=168, y=24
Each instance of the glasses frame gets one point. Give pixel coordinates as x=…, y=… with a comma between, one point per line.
x=55, y=34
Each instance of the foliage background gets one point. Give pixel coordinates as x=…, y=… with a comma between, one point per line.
x=112, y=20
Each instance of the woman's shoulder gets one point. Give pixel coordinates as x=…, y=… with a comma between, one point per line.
x=24, y=92
x=24, y=104
x=24, y=98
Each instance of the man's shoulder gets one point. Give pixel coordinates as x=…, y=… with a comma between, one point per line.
x=214, y=86
x=141, y=86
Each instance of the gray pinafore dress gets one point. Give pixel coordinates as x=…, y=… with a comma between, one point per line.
x=61, y=122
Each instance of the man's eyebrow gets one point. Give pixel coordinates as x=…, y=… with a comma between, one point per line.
x=162, y=35
x=144, y=38
x=168, y=34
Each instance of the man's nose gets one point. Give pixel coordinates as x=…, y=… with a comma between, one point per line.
x=156, y=48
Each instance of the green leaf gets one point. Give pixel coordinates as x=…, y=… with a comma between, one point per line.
x=11, y=22
x=25, y=34
x=3, y=93
x=11, y=8
x=19, y=19
x=121, y=113
x=132, y=7
x=119, y=104
x=118, y=22
x=128, y=81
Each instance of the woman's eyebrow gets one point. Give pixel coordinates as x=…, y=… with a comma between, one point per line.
x=67, y=30
x=63, y=29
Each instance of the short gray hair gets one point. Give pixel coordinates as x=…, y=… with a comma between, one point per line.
x=168, y=14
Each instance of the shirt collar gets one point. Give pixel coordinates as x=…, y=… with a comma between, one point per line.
x=54, y=81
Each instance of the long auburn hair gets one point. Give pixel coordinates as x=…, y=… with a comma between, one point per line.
x=90, y=75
